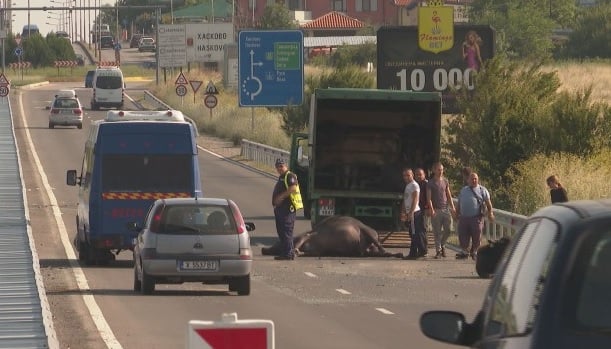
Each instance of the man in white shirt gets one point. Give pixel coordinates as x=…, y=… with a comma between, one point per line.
x=412, y=216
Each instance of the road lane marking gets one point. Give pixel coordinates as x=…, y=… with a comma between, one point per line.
x=94, y=310
x=312, y=275
x=385, y=311
x=342, y=291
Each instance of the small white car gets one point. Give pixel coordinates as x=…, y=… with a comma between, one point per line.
x=66, y=110
x=193, y=240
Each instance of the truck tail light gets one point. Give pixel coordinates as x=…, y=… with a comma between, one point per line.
x=326, y=202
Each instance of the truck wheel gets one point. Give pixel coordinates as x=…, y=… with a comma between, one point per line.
x=241, y=285
x=147, y=283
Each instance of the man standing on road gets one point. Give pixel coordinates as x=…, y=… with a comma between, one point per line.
x=441, y=208
x=412, y=216
x=471, y=199
x=284, y=211
x=117, y=48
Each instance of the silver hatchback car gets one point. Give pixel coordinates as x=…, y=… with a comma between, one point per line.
x=193, y=240
x=66, y=110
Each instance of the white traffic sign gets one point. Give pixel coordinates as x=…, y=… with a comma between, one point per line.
x=210, y=101
x=4, y=91
x=172, y=45
x=181, y=90
x=3, y=80
x=181, y=80
x=206, y=41
x=211, y=89
x=195, y=85
x=231, y=333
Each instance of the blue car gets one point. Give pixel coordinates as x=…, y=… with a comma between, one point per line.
x=551, y=288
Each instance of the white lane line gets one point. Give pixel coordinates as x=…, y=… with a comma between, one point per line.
x=81, y=281
x=312, y=275
x=384, y=311
x=342, y=291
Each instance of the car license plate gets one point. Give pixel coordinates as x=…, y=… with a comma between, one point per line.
x=327, y=210
x=199, y=265
x=66, y=111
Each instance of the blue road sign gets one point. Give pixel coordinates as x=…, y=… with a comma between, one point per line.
x=18, y=51
x=270, y=68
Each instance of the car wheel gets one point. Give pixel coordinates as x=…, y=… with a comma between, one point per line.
x=51, y=125
x=79, y=126
x=147, y=283
x=241, y=285
x=137, y=283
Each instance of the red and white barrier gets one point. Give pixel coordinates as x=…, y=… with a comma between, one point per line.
x=65, y=64
x=230, y=333
x=20, y=65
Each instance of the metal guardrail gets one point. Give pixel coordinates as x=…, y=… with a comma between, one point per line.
x=262, y=153
x=25, y=316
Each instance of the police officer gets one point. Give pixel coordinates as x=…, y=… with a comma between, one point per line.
x=284, y=211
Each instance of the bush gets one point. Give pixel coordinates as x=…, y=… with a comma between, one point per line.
x=583, y=178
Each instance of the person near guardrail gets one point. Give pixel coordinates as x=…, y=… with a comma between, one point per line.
x=412, y=216
x=423, y=202
x=556, y=190
x=473, y=203
x=284, y=210
x=441, y=208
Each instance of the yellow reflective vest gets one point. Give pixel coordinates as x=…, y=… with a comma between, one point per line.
x=296, y=196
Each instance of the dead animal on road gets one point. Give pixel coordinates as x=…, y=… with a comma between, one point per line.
x=337, y=236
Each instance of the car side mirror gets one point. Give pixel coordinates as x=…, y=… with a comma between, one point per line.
x=250, y=226
x=444, y=326
x=71, y=178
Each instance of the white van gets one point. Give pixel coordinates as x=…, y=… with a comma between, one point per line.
x=108, y=88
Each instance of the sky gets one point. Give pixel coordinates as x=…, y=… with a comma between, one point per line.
x=40, y=17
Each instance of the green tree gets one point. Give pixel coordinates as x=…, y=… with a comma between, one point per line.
x=277, y=16
x=592, y=34
x=36, y=51
x=523, y=27
x=60, y=47
x=360, y=55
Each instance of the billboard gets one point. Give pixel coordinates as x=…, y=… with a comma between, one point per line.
x=403, y=65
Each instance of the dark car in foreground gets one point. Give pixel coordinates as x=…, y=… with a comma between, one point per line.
x=193, y=240
x=551, y=289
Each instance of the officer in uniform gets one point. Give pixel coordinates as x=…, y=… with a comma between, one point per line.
x=284, y=210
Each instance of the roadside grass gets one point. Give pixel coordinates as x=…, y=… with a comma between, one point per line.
x=18, y=77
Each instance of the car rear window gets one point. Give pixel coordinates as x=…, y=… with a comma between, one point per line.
x=66, y=103
x=197, y=219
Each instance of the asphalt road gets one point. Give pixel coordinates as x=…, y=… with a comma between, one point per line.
x=313, y=302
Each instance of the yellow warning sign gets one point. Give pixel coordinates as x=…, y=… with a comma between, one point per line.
x=435, y=28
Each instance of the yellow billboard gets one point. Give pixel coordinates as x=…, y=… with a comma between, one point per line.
x=435, y=28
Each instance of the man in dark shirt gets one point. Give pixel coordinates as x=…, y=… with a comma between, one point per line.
x=284, y=211
x=423, y=203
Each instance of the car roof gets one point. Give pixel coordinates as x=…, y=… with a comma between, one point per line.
x=195, y=201
x=65, y=94
x=575, y=210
